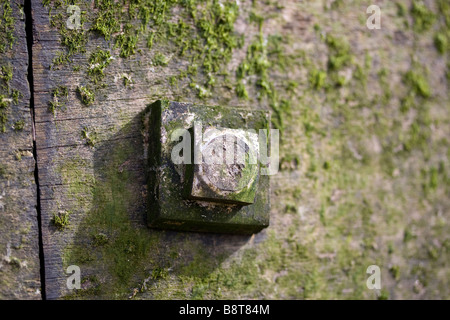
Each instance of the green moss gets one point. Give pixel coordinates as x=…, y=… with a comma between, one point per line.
x=90, y=136
x=257, y=63
x=98, y=61
x=150, y=40
x=433, y=252
x=100, y=239
x=441, y=42
x=60, y=220
x=18, y=155
x=87, y=96
x=19, y=125
x=430, y=180
x=122, y=247
x=444, y=12
x=160, y=60
x=406, y=103
x=407, y=235
x=423, y=17
x=60, y=92
x=61, y=58
x=336, y=5
x=395, y=271
x=15, y=262
x=383, y=76
x=127, y=41
x=447, y=74
x=90, y=287
x=159, y=273
x=6, y=75
x=418, y=135
x=418, y=83
x=4, y=106
x=213, y=29
x=243, y=274
x=361, y=73
x=60, y=96
x=108, y=19
x=74, y=41
x=16, y=95
x=317, y=79
x=204, y=25
x=216, y=28
x=339, y=52
x=241, y=91
x=7, y=26
x=401, y=9
x=202, y=92
x=384, y=295
x=127, y=80
x=290, y=208
x=173, y=81
x=53, y=106
x=291, y=86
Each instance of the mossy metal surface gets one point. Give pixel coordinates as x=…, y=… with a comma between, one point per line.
x=168, y=206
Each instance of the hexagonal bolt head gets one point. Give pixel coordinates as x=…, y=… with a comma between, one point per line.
x=225, y=167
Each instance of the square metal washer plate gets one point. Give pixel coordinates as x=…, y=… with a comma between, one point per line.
x=168, y=206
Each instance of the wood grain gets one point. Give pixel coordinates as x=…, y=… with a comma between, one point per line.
x=19, y=240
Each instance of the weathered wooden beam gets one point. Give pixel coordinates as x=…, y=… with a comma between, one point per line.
x=19, y=236
x=363, y=115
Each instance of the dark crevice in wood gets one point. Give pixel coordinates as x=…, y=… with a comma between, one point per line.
x=30, y=38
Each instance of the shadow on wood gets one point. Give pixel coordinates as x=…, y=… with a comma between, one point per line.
x=118, y=254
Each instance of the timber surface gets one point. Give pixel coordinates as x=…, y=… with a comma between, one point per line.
x=60, y=142
x=19, y=237
x=336, y=206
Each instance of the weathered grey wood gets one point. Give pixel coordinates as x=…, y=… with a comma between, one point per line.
x=59, y=140
x=19, y=240
x=337, y=207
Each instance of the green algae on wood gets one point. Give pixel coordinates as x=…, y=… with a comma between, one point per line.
x=7, y=26
x=61, y=220
x=98, y=61
x=86, y=95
